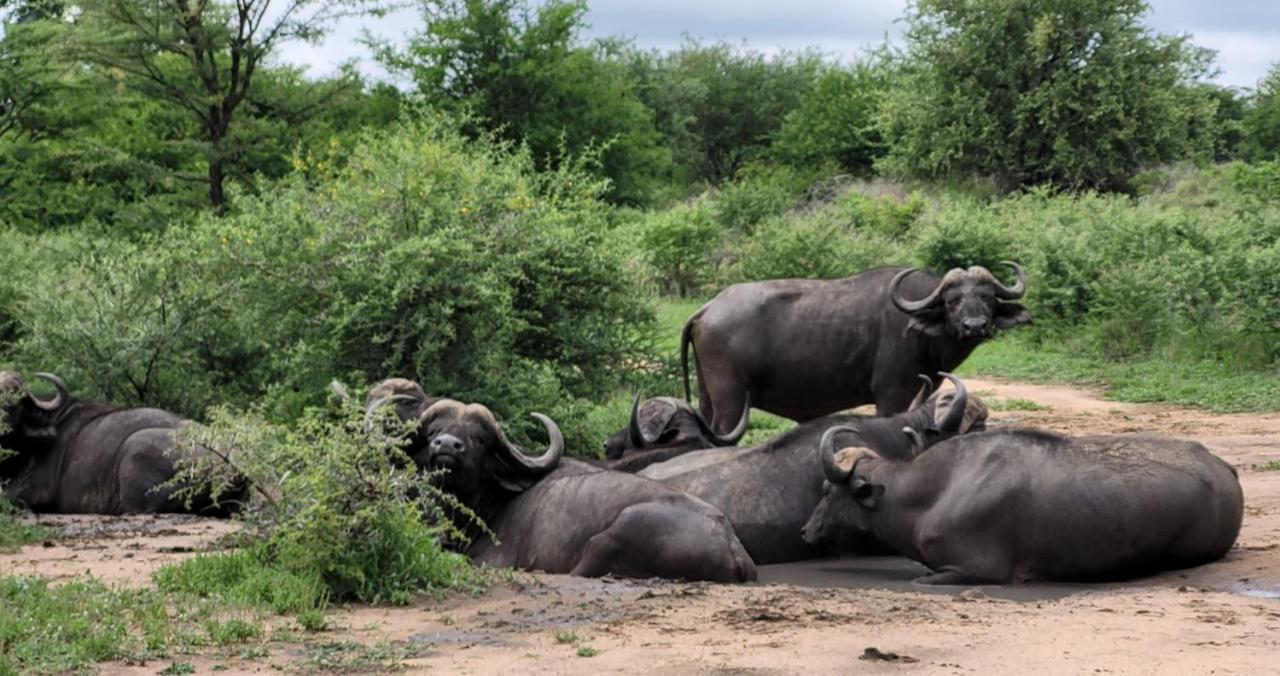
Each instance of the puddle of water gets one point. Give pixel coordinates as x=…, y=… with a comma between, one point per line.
x=1255, y=592
x=895, y=573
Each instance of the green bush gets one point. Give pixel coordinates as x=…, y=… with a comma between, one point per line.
x=835, y=122
x=339, y=514
x=815, y=247
x=759, y=192
x=425, y=255
x=677, y=244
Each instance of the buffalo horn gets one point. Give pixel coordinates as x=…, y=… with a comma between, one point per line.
x=734, y=435
x=1019, y=287
x=536, y=464
x=549, y=459
x=59, y=399
x=917, y=442
x=955, y=414
x=827, y=448
x=913, y=306
x=633, y=427
x=926, y=389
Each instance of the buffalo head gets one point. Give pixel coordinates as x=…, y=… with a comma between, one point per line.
x=950, y=413
x=849, y=496
x=667, y=422
x=28, y=419
x=466, y=441
x=966, y=304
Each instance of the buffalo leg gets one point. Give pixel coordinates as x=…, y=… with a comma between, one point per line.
x=727, y=399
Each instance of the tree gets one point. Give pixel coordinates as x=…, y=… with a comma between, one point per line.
x=201, y=56
x=1262, y=121
x=719, y=106
x=835, y=122
x=522, y=75
x=1073, y=93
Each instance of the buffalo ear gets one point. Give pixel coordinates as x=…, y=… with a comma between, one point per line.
x=1011, y=315
x=866, y=493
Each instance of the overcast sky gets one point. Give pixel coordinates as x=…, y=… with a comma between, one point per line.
x=1245, y=33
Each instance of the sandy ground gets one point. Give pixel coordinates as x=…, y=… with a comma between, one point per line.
x=1222, y=618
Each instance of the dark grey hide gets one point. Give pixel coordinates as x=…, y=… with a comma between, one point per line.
x=662, y=428
x=769, y=490
x=91, y=457
x=565, y=516
x=804, y=348
x=1016, y=505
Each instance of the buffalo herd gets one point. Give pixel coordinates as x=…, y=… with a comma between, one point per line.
x=676, y=496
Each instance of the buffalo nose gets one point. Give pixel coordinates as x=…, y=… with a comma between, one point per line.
x=975, y=324
x=447, y=443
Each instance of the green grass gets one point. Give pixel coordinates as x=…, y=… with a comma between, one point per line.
x=587, y=651
x=1204, y=384
x=672, y=314
x=243, y=578
x=1011, y=404
x=14, y=533
x=1272, y=466
x=68, y=627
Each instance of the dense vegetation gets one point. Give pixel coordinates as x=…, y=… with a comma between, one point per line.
x=187, y=224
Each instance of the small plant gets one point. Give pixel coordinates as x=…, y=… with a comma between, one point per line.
x=1273, y=466
x=587, y=651
x=312, y=620
x=233, y=630
x=175, y=668
x=566, y=637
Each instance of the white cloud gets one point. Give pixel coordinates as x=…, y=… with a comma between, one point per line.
x=1243, y=56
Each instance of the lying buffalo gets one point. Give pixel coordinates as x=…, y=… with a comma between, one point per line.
x=662, y=428
x=804, y=348
x=566, y=516
x=1018, y=505
x=769, y=490
x=72, y=456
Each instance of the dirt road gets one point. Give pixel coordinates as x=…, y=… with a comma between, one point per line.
x=1218, y=619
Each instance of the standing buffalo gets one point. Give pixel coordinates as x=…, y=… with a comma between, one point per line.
x=565, y=516
x=769, y=490
x=662, y=428
x=72, y=456
x=804, y=348
x=1017, y=505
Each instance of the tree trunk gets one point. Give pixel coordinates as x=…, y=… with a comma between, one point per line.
x=216, y=196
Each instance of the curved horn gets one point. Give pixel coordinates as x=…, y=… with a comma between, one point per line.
x=917, y=442
x=734, y=435
x=913, y=306
x=925, y=390
x=549, y=458
x=955, y=415
x=1019, y=287
x=634, y=434
x=536, y=464
x=59, y=400
x=827, y=449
